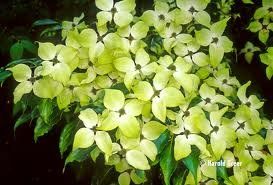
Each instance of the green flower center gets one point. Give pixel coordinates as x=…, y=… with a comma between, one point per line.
x=131, y=38
x=156, y=93
x=190, y=53
x=121, y=112
x=173, y=35
x=161, y=17
x=215, y=40
x=94, y=91
x=241, y=125
x=186, y=133
x=248, y=104
x=114, y=81
x=225, y=81
x=172, y=67
x=114, y=10
x=249, y=148
x=192, y=10
x=215, y=129
x=138, y=67
x=207, y=100
x=71, y=87
x=187, y=113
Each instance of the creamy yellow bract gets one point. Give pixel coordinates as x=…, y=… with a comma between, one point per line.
x=146, y=72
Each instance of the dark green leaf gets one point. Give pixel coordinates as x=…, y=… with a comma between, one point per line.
x=180, y=176
x=24, y=118
x=50, y=30
x=141, y=174
x=19, y=107
x=4, y=75
x=30, y=61
x=195, y=101
x=222, y=172
x=80, y=154
x=44, y=22
x=121, y=87
x=41, y=128
x=66, y=138
x=192, y=162
x=16, y=51
x=167, y=163
x=161, y=141
x=29, y=46
x=46, y=109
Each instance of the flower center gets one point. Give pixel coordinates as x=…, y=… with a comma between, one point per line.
x=94, y=91
x=161, y=17
x=207, y=100
x=71, y=88
x=192, y=10
x=190, y=53
x=114, y=81
x=241, y=125
x=173, y=35
x=215, y=40
x=121, y=112
x=187, y=113
x=114, y=10
x=186, y=133
x=138, y=67
x=172, y=67
x=248, y=104
x=215, y=129
x=131, y=38
x=156, y=93
x=249, y=148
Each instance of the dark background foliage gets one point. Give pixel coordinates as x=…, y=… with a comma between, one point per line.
x=24, y=162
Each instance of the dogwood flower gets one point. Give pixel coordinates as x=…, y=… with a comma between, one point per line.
x=120, y=12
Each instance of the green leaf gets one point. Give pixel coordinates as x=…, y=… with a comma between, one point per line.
x=24, y=118
x=195, y=101
x=41, y=128
x=46, y=109
x=192, y=162
x=221, y=171
x=44, y=22
x=263, y=35
x=29, y=61
x=180, y=176
x=48, y=31
x=21, y=106
x=267, y=3
x=122, y=87
x=16, y=51
x=162, y=141
x=4, y=75
x=167, y=163
x=269, y=72
x=29, y=46
x=80, y=154
x=248, y=1
x=66, y=138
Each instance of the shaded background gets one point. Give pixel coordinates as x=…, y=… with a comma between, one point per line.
x=24, y=162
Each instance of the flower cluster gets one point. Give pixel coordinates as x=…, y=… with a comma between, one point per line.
x=162, y=71
x=262, y=21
